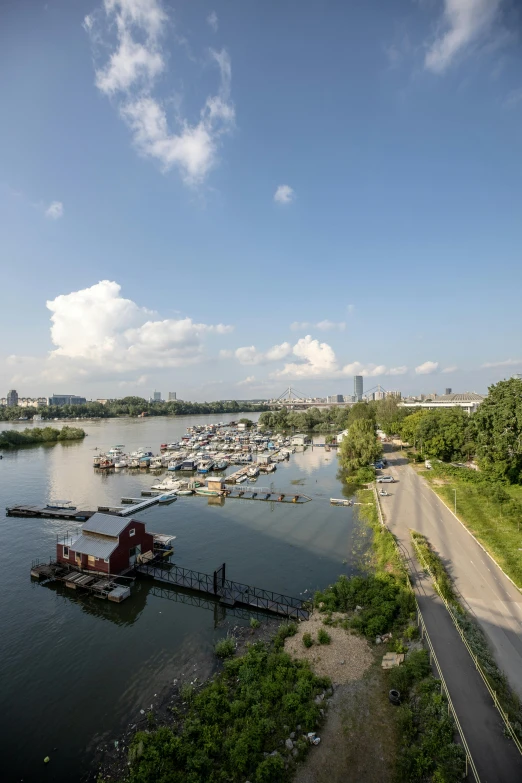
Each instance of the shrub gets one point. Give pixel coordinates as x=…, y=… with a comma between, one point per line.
x=271, y=770
x=187, y=692
x=323, y=637
x=254, y=623
x=307, y=640
x=285, y=630
x=365, y=475
x=411, y=632
x=225, y=647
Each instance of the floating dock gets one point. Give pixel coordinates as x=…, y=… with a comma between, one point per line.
x=266, y=494
x=102, y=586
x=46, y=512
x=227, y=592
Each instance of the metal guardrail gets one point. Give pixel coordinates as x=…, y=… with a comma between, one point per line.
x=433, y=657
x=492, y=693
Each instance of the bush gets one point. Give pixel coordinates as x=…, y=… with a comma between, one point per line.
x=187, y=692
x=225, y=647
x=254, y=623
x=323, y=637
x=365, y=475
x=285, y=630
x=411, y=632
x=307, y=640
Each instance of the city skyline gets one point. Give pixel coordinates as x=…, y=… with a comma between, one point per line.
x=181, y=210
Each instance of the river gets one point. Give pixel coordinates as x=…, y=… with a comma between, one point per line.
x=76, y=671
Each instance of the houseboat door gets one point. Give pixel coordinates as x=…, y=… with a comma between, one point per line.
x=79, y=559
x=133, y=554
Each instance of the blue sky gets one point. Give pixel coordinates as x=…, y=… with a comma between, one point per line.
x=226, y=198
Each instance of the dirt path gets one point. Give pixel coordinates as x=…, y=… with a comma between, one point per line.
x=359, y=739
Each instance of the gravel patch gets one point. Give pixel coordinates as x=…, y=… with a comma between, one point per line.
x=345, y=659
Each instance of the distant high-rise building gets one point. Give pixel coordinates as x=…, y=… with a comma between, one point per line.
x=335, y=398
x=396, y=394
x=172, y=396
x=12, y=398
x=156, y=396
x=448, y=391
x=379, y=395
x=358, y=387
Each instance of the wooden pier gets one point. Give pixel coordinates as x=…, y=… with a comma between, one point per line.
x=227, y=592
x=266, y=494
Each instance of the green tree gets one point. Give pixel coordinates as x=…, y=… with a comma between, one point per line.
x=360, y=446
x=498, y=428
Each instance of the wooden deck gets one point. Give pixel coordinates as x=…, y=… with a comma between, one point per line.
x=101, y=586
x=44, y=512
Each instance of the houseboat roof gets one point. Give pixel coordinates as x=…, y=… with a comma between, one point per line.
x=96, y=546
x=105, y=524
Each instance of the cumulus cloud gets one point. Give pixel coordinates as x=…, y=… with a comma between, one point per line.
x=464, y=23
x=250, y=355
x=96, y=330
x=129, y=77
x=427, y=368
x=212, y=21
x=248, y=381
x=504, y=363
x=284, y=194
x=54, y=210
x=323, y=326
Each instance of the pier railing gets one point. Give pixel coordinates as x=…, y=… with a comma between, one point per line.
x=227, y=590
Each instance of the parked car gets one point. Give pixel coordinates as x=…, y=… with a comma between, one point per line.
x=385, y=480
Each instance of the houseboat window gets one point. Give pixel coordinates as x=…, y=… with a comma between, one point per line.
x=92, y=559
x=106, y=560
x=66, y=551
x=132, y=531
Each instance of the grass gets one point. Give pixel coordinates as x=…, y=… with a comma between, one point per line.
x=473, y=633
x=232, y=725
x=496, y=525
x=385, y=558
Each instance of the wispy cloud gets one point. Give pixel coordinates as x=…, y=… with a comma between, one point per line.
x=212, y=21
x=248, y=381
x=427, y=368
x=323, y=326
x=284, y=194
x=464, y=24
x=504, y=363
x=513, y=98
x=451, y=368
x=55, y=210
x=129, y=78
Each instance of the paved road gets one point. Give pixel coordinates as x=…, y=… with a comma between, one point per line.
x=488, y=594
x=412, y=505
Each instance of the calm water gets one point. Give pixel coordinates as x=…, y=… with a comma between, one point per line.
x=75, y=671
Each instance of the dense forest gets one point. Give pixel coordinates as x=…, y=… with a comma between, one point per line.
x=130, y=406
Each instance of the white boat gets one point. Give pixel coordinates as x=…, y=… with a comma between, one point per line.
x=121, y=463
x=167, y=498
x=184, y=492
x=167, y=483
x=253, y=472
x=242, y=477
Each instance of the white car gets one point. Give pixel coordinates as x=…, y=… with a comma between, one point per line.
x=385, y=480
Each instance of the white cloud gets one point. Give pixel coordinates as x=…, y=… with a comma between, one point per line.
x=318, y=360
x=54, y=210
x=464, y=23
x=427, y=368
x=505, y=363
x=451, y=368
x=212, y=21
x=397, y=370
x=248, y=381
x=129, y=76
x=226, y=354
x=284, y=194
x=323, y=326
x=250, y=355
x=96, y=330
x=350, y=309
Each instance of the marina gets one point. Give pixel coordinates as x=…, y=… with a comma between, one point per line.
x=131, y=650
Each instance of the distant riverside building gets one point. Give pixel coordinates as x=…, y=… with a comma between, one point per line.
x=66, y=399
x=469, y=401
x=12, y=398
x=358, y=387
x=335, y=398
x=172, y=397
x=396, y=394
x=379, y=395
x=447, y=391
x=156, y=397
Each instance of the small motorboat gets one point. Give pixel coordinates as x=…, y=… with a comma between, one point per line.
x=164, y=499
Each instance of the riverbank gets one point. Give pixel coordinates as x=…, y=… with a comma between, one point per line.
x=10, y=439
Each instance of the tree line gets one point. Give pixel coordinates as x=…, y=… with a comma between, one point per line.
x=130, y=406
x=32, y=435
